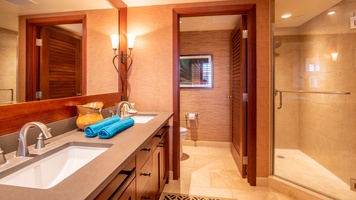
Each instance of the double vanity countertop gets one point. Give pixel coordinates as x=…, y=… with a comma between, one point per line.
x=88, y=181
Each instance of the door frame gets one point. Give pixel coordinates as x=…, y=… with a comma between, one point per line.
x=244, y=9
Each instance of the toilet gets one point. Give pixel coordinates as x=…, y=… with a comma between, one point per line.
x=183, y=135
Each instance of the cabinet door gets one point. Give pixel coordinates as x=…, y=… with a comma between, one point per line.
x=164, y=162
x=160, y=167
x=129, y=194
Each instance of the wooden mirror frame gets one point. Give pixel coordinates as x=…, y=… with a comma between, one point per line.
x=14, y=116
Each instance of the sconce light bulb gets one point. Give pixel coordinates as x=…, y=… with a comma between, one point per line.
x=114, y=41
x=334, y=56
x=130, y=40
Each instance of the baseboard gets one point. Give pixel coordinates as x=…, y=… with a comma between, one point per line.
x=205, y=143
x=262, y=181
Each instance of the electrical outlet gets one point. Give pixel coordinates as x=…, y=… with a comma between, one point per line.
x=353, y=184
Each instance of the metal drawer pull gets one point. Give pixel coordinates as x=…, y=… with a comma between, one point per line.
x=145, y=174
x=161, y=144
x=146, y=149
x=146, y=197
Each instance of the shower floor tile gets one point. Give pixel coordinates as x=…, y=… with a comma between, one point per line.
x=297, y=167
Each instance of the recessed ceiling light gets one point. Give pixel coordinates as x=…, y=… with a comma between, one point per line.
x=331, y=12
x=287, y=15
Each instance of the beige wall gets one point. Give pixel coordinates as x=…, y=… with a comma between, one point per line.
x=8, y=64
x=101, y=75
x=211, y=104
x=151, y=78
x=327, y=122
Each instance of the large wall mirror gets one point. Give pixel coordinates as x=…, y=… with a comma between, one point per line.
x=22, y=75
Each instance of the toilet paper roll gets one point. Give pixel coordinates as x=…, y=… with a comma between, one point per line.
x=191, y=116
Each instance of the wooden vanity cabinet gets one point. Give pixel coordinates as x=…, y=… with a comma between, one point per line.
x=153, y=175
x=123, y=186
x=145, y=176
x=160, y=162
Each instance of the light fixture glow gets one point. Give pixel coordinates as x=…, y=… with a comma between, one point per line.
x=114, y=41
x=130, y=40
x=287, y=15
x=334, y=56
x=331, y=12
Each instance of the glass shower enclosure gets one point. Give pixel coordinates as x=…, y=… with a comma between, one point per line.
x=315, y=99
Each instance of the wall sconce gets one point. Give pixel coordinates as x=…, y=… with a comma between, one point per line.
x=123, y=57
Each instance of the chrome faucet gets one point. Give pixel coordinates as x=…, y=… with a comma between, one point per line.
x=119, y=107
x=22, y=149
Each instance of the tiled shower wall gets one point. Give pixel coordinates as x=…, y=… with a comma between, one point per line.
x=8, y=64
x=211, y=104
x=327, y=128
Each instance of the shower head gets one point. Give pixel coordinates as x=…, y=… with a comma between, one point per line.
x=277, y=44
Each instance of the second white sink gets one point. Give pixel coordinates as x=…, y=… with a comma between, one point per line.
x=47, y=170
x=142, y=119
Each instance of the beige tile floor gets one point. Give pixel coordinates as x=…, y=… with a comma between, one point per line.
x=289, y=163
x=211, y=171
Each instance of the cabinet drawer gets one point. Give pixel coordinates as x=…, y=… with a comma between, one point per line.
x=143, y=176
x=147, y=193
x=143, y=155
x=157, y=139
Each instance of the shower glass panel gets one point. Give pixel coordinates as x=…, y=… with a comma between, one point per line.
x=315, y=97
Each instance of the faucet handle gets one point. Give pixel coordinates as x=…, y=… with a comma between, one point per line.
x=2, y=157
x=40, y=141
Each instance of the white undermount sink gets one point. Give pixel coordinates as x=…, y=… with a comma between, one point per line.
x=142, y=118
x=47, y=170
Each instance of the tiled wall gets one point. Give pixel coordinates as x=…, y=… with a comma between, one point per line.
x=286, y=78
x=327, y=122
x=8, y=64
x=211, y=104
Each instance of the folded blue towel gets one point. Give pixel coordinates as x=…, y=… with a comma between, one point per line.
x=117, y=127
x=92, y=130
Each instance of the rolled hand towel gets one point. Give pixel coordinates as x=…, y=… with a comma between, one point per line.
x=117, y=127
x=92, y=130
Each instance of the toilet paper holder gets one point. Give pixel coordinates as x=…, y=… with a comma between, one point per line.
x=191, y=120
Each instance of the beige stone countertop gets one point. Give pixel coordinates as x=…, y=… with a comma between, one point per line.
x=88, y=181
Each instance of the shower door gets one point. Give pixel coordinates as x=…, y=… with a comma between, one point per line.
x=315, y=102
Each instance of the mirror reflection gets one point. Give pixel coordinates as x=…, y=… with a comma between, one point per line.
x=101, y=21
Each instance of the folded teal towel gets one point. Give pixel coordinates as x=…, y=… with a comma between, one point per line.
x=117, y=127
x=92, y=130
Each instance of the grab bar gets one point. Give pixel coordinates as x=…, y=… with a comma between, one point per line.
x=305, y=92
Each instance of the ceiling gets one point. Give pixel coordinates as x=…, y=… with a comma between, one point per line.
x=301, y=10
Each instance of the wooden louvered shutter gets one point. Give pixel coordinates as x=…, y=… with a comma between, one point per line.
x=239, y=87
x=60, y=64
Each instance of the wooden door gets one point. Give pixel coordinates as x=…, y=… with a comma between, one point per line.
x=239, y=87
x=60, y=64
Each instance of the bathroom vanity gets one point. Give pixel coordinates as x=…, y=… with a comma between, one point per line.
x=134, y=165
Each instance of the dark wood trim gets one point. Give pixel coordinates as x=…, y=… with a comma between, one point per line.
x=32, y=28
x=252, y=100
x=13, y=117
x=119, y=4
x=176, y=98
x=122, y=48
x=250, y=11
